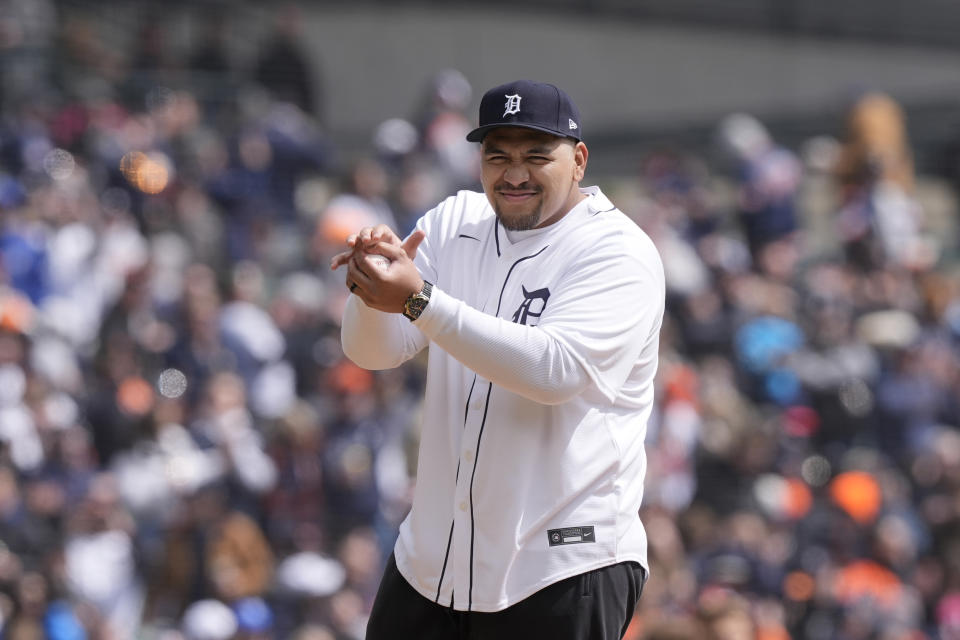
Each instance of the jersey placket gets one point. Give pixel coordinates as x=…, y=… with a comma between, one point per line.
x=467, y=518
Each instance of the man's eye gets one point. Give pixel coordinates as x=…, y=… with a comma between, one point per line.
x=539, y=159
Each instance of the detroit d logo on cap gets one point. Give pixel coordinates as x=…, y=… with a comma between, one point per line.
x=513, y=104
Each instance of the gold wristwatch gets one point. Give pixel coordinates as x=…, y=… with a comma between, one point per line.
x=417, y=302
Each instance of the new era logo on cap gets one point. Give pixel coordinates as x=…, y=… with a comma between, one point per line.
x=532, y=105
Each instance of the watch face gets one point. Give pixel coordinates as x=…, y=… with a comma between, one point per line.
x=415, y=307
x=416, y=303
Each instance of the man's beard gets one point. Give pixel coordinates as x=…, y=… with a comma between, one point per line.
x=524, y=223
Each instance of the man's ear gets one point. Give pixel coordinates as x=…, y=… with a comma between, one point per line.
x=580, y=155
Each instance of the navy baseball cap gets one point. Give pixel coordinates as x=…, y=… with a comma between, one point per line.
x=532, y=105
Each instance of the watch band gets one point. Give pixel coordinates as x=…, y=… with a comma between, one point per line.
x=414, y=305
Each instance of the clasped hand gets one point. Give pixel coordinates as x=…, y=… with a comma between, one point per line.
x=384, y=288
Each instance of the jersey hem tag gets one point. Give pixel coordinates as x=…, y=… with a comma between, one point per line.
x=570, y=535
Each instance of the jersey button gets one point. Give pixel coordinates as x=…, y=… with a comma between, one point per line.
x=468, y=455
x=463, y=506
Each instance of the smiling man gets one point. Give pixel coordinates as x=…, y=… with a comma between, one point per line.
x=542, y=304
x=526, y=175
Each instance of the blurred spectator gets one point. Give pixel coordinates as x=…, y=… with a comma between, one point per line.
x=210, y=552
x=362, y=202
x=99, y=558
x=210, y=56
x=284, y=69
x=881, y=221
x=769, y=178
x=276, y=146
x=444, y=126
x=209, y=620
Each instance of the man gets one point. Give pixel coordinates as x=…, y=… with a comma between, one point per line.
x=542, y=305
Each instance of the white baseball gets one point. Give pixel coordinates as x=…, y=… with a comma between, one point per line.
x=379, y=261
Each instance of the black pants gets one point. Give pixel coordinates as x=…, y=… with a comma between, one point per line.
x=596, y=605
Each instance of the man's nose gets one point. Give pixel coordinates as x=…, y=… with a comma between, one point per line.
x=516, y=174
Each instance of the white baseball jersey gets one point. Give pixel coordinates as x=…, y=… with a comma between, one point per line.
x=539, y=388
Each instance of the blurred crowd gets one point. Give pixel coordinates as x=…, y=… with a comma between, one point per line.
x=805, y=462
x=185, y=453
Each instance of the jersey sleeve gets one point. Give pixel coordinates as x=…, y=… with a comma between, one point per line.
x=521, y=359
x=606, y=310
x=375, y=340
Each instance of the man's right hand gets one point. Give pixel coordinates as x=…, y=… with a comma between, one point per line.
x=368, y=237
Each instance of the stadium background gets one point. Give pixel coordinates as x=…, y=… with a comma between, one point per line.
x=184, y=452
